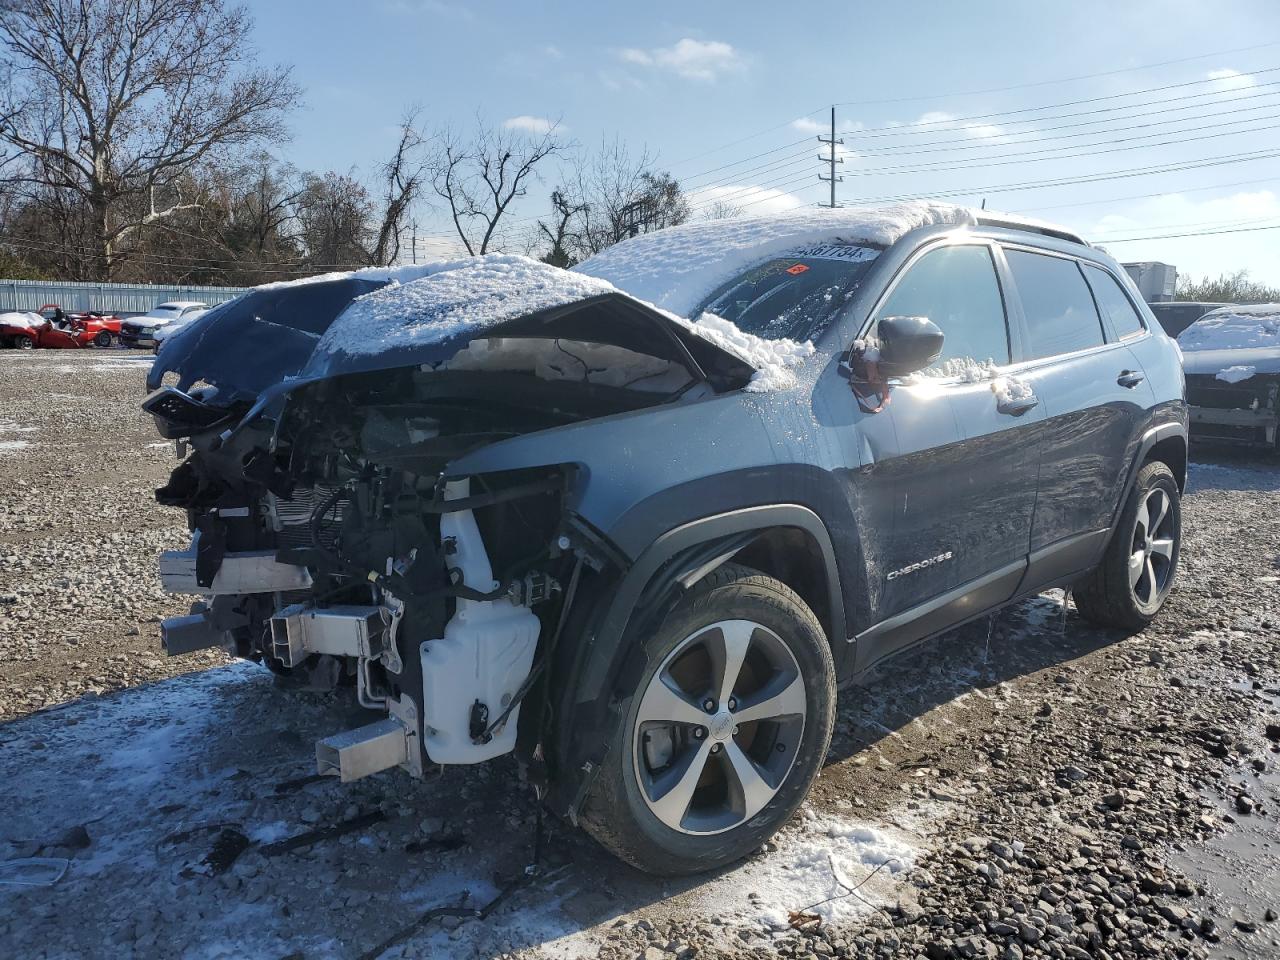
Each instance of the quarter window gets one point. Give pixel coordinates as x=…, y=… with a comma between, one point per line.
x=1112, y=301
x=1059, y=309
x=956, y=288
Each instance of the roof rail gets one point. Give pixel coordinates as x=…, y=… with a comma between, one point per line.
x=1031, y=226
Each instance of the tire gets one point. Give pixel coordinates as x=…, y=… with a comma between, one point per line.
x=24, y=343
x=102, y=339
x=637, y=809
x=1137, y=572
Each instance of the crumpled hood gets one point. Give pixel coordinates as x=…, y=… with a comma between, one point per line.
x=1211, y=362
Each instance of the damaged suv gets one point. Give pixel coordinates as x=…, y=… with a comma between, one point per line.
x=526, y=510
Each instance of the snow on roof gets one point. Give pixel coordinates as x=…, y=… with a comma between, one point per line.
x=679, y=267
x=1237, y=327
x=452, y=296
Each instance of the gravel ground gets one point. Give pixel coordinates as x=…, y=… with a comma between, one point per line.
x=1024, y=788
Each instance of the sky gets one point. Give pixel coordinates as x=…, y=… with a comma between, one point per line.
x=1121, y=120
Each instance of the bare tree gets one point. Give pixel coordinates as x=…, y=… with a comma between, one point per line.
x=1234, y=287
x=616, y=195
x=722, y=210
x=402, y=177
x=566, y=211
x=113, y=101
x=480, y=178
x=335, y=213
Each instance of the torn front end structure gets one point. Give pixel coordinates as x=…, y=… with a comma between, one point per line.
x=352, y=528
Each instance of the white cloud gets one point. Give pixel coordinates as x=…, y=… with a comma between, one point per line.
x=1228, y=79
x=1175, y=213
x=536, y=126
x=751, y=200
x=692, y=59
x=809, y=125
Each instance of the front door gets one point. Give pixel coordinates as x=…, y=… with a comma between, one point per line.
x=948, y=486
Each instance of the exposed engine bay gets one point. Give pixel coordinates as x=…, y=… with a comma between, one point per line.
x=332, y=543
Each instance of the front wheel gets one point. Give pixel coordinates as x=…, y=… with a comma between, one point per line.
x=102, y=339
x=24, y=343
x=1136, y=575
x=725, y=731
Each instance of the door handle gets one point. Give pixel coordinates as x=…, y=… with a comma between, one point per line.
x=1129, y=378
x=1016, y=408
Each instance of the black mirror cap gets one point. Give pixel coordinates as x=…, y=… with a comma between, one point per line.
x=907, y=344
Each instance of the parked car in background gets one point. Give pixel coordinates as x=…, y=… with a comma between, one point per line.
x=1231, y=358
x=141, y=331
x=21, y=329
x=1176, y=315
x=636, y=522
x=80, y=329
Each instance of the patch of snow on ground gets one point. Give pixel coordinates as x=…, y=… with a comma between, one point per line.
x=679, y=267
x=10, y=446
x=1234, y=328
x=818, y=859
x=1235, y=374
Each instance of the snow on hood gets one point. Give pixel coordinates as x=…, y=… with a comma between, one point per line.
x=679, y=267
x=22, y=319
x=473, y=294
x=1236, y=374
x=451, y=297
x=1238, y=327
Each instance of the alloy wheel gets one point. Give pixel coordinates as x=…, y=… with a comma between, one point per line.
x=1152, y=552
x=718, y=727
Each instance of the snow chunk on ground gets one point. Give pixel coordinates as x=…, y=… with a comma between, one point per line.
x=678, y=268
x=774, y=360
x=453, y=296
x=811, y=871
x=1234, y=328
x=1235, y=374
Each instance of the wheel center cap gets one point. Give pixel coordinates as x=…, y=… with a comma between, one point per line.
x=721, y=726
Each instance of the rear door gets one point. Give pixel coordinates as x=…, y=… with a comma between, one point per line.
x=949, y=483
x=1094, y=394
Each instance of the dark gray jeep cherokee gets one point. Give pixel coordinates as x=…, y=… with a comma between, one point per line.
x=637, y=522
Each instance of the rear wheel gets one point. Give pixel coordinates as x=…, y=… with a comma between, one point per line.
x=102, y=339
x=1136, y=575
x=24, y=343
x=725, y=732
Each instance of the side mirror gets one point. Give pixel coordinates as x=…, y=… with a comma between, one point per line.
x=907, y=344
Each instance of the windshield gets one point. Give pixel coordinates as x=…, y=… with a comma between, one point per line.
x=795, y=297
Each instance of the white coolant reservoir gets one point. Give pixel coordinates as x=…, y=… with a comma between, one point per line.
x=485, y=654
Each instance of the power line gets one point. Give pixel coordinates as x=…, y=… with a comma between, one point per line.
x=1201, y=233
x=1044, y=83
x=1148, y=196
x=895, y=129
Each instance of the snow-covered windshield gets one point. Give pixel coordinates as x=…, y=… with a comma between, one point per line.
x=795, y=297
x=1234, y=328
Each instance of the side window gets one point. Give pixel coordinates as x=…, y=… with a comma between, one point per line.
x=1059, y=309
x=1113, y=301
x=956, y=288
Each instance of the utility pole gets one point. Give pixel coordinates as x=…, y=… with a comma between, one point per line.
x=832, y=159
x=413, y=240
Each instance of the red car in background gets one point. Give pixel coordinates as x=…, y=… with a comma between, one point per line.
x=78, y=329
x=52, y=328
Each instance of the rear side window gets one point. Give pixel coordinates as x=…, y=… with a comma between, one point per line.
x=1061, y=317
x=1113, y=302
x=956, y=288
